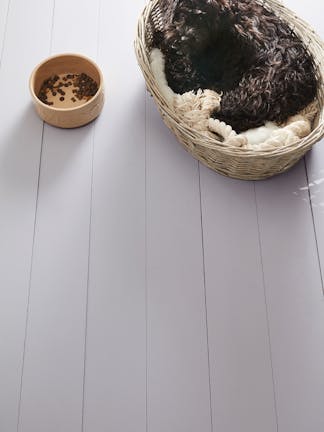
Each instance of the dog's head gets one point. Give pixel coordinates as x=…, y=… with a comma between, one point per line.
x=191, y=23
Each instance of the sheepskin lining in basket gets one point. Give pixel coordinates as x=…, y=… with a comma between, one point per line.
x=195, y=110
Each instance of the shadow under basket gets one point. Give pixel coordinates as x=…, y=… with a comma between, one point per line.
x=236, y=162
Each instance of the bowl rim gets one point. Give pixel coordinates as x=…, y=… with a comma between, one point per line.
x=53, y=57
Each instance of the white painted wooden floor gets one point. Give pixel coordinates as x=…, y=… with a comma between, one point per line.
x=140, y=291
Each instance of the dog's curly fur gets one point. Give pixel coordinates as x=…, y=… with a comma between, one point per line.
x=239, y=48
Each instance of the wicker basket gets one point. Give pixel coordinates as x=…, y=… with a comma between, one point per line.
x=236, y=162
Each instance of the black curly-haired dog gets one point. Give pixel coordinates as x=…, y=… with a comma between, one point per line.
x=241, y=49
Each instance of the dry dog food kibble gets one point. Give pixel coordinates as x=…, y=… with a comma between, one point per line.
x=78, y=89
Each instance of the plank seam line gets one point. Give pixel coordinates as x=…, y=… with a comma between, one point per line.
x=266, y=308
x=146, y=266
x=89, y=244
x=88, y=282
x=146, y=260
x=205, y=297
x=52, y=27
x=314, y=226
x=30, y=283
x=32, y=250
x=5, y=32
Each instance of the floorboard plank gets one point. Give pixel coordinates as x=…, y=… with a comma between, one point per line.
x=52, y=386
x=294, y=300
x=315, y=187
x=115, y=391
x=178, y=375
x=20, y=144
x=240, y=361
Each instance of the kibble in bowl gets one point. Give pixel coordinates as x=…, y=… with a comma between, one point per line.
x=67, y=90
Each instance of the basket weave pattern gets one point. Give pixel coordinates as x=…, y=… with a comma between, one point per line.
x=233, y=161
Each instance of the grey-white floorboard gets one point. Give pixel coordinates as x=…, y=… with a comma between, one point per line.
x=20, y=144
x=115, y=369
x=52, y=384
x=315, y=178
x=294, y=299
x=240, y=356
x=178, y=375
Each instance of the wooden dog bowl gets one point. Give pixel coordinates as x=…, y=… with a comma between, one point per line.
x=67, y=112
